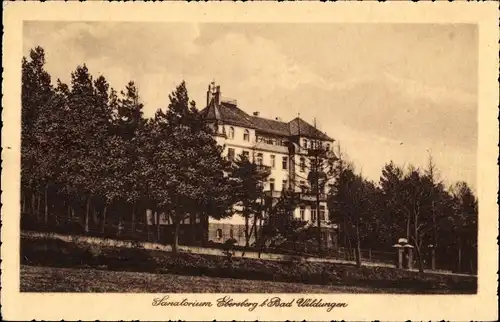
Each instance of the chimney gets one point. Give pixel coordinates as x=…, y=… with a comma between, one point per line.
x=217, y=95
x=209, y=96
x=213, y=93
x=278, y=119
x=255, y=113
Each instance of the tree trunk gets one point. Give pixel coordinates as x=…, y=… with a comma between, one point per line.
x=358, y=246
x=33, y=204
x=158, y=233
x=247, y=234
x=435, y=236
x=94, y=216
x=408, y=228
x=420, y=259
x=103, y=227
x=459, y=255
x=87, y=215
x=417, y=240
x=46, y=192
x=38, y=205
x=317, y=205
x=133, y=217
x=175, y=242
x=23, y=205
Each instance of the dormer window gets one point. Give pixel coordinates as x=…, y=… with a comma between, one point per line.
x=231, y=133
x=246, y=135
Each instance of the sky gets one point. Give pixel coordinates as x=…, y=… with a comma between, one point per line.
x=383, y=91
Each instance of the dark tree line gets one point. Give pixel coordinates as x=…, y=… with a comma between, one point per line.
x=88, y=152
x=411, y=203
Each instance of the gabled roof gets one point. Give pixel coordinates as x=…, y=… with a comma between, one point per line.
x=228, y=113
x=300, y=127
x=231, y=114
x=271, y=126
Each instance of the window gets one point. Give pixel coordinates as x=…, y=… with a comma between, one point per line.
x=219, y=233
x=302, y=213
x=271, y=184
x=302, y=185
x=285, y=185
x=302, y=164
x=230, y=154
x=246, y=155
x=328, y=147
x=273, y=161
x=231, y=234
x=246, y=135
x=260, y=158
x=284, y=163
x=305, y=144
x=322, y=212
x=313, y=214
x=231, y=133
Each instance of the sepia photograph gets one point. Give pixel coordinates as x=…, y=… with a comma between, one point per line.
x=249, y=165
x=176, y=157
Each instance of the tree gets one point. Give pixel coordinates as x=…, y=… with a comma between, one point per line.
x=187, y=164
x=464, y=224
x=247, y=182
x=280, y=226
x=36, y=93
x=321, y=171
x=129, y=125
x=352, y=198
x=397, y=220
x=89, y=127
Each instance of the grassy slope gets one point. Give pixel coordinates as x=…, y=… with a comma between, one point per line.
x=50, y=279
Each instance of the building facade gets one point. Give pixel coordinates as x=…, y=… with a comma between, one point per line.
x=287, y=148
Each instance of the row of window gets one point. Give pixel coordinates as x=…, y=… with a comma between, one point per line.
x=322, y=213
x=312, y=144
x=271, y=141
x=246, y=134
x=306, y=144
x=231, y=154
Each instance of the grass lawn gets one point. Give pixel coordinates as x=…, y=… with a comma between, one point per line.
x=50, y=279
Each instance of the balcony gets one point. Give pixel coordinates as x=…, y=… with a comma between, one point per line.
x=300, y=195
x=311, y=196
x=263, y=168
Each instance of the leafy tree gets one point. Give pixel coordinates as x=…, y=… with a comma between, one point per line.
x=247, y=182
x=280, y=226
x=129, y=123
x=36, y=92
x=352, y=200
x=321, y=172
x=89, y=128
x=187, y=164
x=464, y=223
